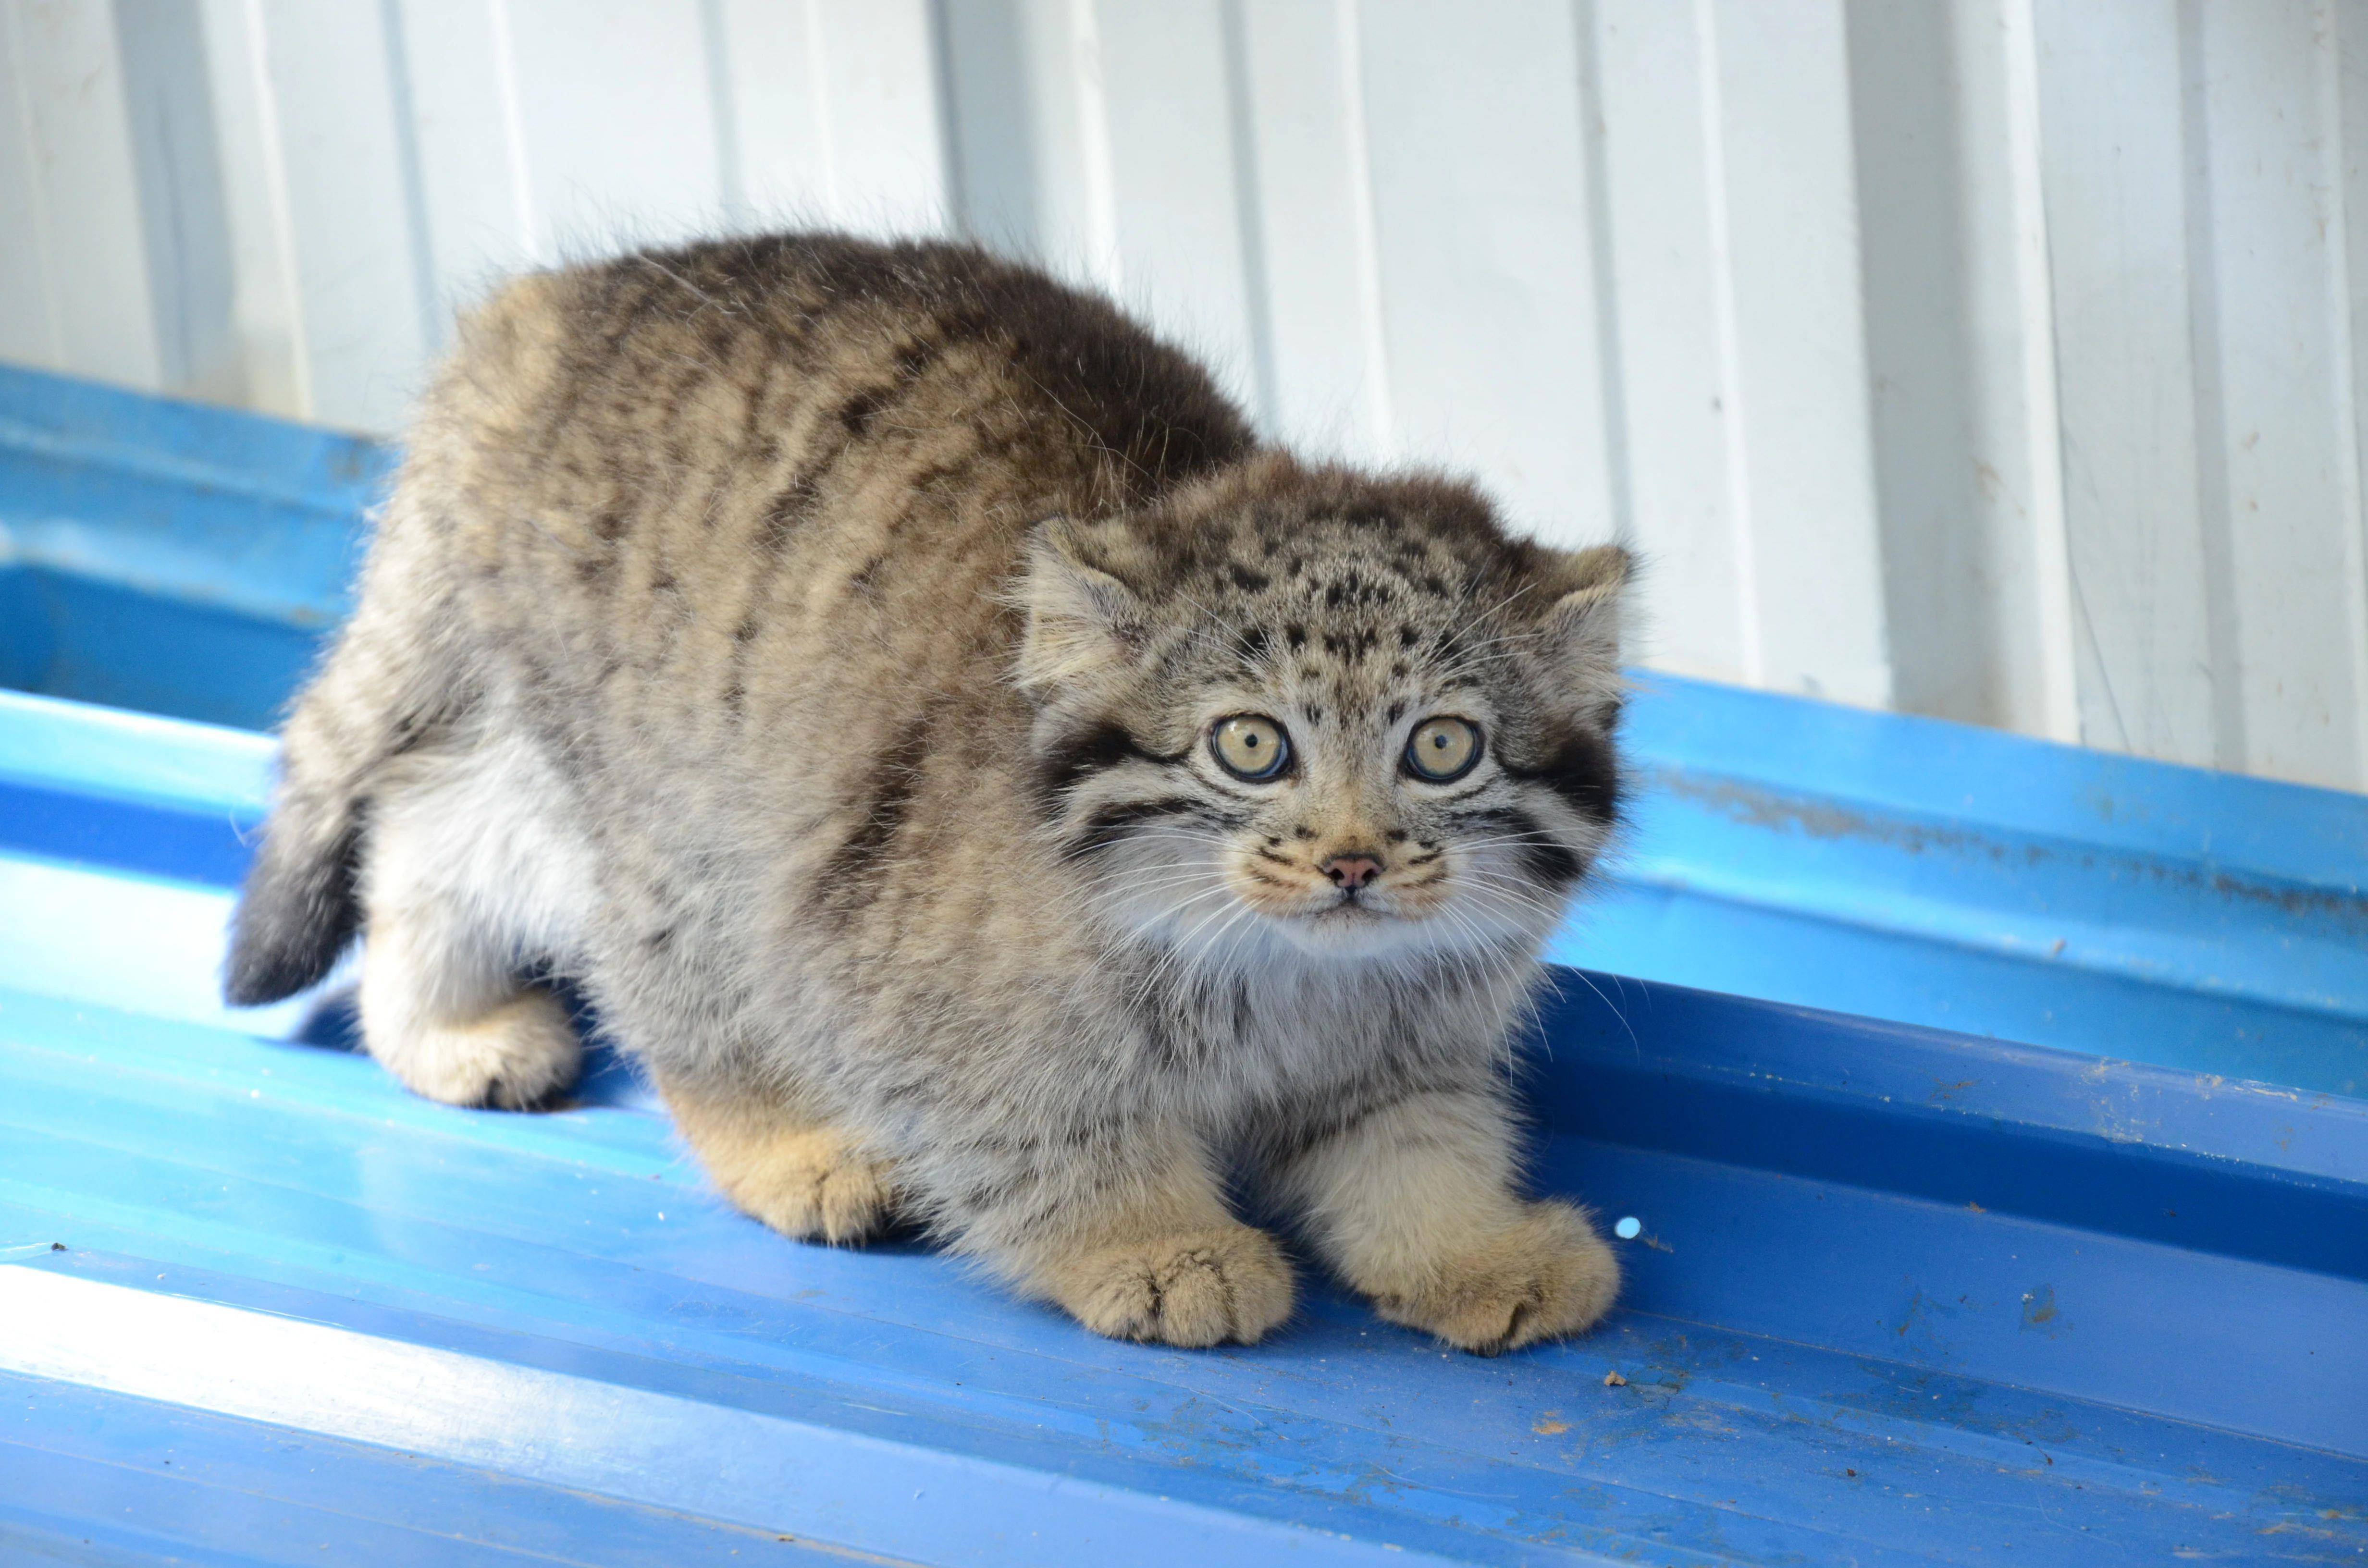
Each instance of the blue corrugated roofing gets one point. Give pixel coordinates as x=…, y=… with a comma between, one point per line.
x=1898, y=1295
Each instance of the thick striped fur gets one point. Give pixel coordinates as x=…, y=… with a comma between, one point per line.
x=812, y=648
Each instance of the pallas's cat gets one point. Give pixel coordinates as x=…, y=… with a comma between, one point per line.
x=981, y=782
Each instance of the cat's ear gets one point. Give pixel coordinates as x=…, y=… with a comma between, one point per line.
x=1583, y=622
x=1081, y=620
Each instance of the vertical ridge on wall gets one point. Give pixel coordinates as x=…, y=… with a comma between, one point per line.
x=2054, y=709
x=1483, y=260
x=2112, y=91
x=2295, y=606
x=1596, y=177
x=364, y=309
x=1988, y=358
x=2345, y=75
x=1727, y=401
x=1960, y=347
x=1372, y=317
x=1665, y=286
x=1161, y=154
x=1792, y=211
x=32, y=326
x=1241, y=141
x=80, y=284
x=2222, y=638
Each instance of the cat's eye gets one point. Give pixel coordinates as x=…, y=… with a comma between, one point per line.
x=1442, y=750
x=1251, y=747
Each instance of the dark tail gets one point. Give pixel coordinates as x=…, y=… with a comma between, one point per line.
x=374, y=698
x=300, y=907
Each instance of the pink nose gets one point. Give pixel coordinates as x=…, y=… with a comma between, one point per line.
x=1351, y=871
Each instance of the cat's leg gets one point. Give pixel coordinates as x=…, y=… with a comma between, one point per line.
x=781, y=1164
x=443, y=1010
x=464, y=882
x=1413, y=1202
x=1143, y=1250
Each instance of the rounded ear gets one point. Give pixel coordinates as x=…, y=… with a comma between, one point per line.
x=1584, y=623
x=1080, y=618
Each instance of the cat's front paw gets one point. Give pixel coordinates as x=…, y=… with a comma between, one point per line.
x=811, y=1184
x=1547, y=1276
x=1195, y=1289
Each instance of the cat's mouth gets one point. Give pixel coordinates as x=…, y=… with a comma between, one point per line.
x=1326, y=915
x=1351, y=906
x=1342, y=908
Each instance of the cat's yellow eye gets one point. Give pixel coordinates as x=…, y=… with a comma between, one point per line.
x=1251, y=747
x=1442, y=750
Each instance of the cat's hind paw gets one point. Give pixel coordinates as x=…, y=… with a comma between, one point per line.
x=1548, y=1275
x=1196, y=1288
x=518, y=1056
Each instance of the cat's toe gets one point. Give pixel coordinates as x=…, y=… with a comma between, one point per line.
x=1198, y=1288
x=814, y=1186
x=1548, y=1275
x=521, y=1055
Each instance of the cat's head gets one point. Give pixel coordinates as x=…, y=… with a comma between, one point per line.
x=1343, y=713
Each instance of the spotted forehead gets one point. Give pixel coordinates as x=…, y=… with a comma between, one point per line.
x=1346, y=560
x=1353, y=634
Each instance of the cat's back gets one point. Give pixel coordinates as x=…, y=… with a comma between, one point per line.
x=683, y=421
x=731, y=491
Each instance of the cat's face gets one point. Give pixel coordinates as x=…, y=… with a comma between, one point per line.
x=1344, y=717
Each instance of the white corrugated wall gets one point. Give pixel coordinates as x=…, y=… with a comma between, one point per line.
x=1991, y=358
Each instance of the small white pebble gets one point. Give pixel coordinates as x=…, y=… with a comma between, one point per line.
x=1629, y=1228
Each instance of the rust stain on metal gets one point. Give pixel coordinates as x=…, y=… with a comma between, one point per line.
x=2040, y=1313
x=1816, y=817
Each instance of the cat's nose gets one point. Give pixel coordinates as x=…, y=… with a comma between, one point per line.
x=1351, y=871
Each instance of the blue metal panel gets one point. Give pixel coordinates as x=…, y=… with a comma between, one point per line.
x=1949, y=1302
x=164, y=555
x=1933, y=872
x=1899, y=1296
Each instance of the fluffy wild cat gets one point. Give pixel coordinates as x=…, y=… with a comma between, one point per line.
x=982, y=782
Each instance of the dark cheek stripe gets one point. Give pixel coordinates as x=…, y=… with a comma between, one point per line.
x=1105, y=826
x=1584, y=771
x=1543, y=856
x=1095, y=749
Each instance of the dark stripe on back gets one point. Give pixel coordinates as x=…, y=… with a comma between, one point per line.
x=784, y=514
x=848, y=881
x=855, y=415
